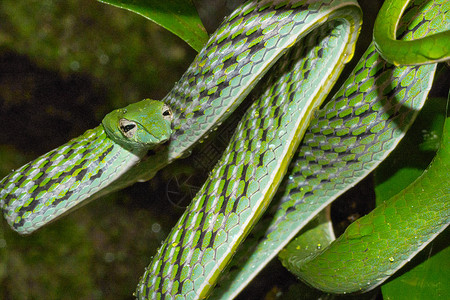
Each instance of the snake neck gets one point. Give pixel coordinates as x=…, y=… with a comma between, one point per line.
x=64, y=177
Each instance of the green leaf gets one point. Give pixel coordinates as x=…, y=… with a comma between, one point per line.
x=178, y=16
x=427, y=275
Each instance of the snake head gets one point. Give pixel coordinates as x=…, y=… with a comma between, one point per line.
x=139, y=126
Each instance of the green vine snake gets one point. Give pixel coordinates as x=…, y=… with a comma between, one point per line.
x=289, y=53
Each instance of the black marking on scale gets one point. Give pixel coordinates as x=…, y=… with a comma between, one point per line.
x=214, y=95
x=231, y=61
x=60, y=178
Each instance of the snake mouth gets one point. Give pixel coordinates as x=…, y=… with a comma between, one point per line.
x=159, y=148
x=165, y=139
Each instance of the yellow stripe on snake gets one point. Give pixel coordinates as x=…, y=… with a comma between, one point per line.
x=289, y=54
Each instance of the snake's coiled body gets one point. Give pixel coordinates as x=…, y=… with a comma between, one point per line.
x=345, y=141
x=290, y=53
x=242, y=184
x=348, y=139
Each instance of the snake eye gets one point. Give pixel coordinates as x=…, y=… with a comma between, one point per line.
x=167, y=113
x=128, y=128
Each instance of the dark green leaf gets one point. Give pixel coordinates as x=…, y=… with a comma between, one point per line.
x=178, y=16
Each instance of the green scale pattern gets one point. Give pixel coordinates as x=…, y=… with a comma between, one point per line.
x=61, y=179
x=241, y=185
x=235, y=58
x=345, y=141
x=387, y=238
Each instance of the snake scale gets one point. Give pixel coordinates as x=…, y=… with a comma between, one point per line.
x=289, y=53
